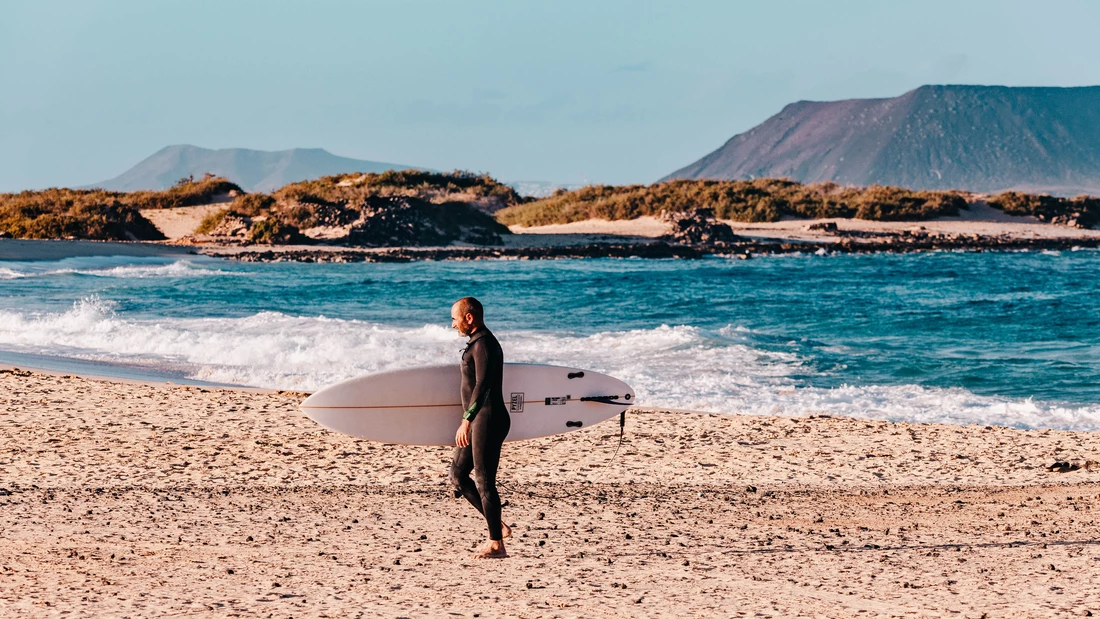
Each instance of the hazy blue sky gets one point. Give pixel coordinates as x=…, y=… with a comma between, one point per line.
x=608, y=91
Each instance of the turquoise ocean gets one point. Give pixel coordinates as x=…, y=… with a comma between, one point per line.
x=985, y=338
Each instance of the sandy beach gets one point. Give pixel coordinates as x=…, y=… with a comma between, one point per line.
x=131, y=499
x=980, y=220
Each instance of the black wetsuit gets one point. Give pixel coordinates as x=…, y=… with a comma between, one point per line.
x=483, y=403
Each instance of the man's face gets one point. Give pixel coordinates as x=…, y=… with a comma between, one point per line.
x=461, y=322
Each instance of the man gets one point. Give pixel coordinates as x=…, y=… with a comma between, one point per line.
x=485, y=422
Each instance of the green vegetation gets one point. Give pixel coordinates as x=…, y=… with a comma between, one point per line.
x=73, y=213
x=453, y=205
x=252, y=204
x=186, y=192
x=271, y=231
x=479, y=190
x=750, y=201
x=247, y=205
x=211, y=221
x=420, y=207
x=405, y=207
x=100, y=215
x=1083, y=211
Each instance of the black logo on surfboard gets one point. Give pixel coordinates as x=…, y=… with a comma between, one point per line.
x=516, y=405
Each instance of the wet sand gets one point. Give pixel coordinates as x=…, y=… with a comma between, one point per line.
x=128, y=499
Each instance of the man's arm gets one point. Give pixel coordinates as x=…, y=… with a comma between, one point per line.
x=480, y=355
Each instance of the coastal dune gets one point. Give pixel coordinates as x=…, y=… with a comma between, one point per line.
x=176, y=223
x=135, y=499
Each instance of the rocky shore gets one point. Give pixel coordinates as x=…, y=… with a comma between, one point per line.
x=744, y=247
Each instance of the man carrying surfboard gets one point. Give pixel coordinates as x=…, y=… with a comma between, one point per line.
x=485, y=422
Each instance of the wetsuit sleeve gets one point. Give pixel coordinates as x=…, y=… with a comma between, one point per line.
x=479, y=354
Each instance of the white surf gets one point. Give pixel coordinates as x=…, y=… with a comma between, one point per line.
x=421, y=406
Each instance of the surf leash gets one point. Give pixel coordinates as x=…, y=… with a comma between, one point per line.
x=622, y=428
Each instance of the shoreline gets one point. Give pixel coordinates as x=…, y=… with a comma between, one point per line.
x=18, y=250
x=122, y=498
x=651, y=250
x=147, y=379
x=981, y=228
x=641, y=238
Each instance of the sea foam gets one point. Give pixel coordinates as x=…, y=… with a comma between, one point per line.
x=101, y=267
x=676, y=367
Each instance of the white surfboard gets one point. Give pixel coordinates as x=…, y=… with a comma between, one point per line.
x=421, y=406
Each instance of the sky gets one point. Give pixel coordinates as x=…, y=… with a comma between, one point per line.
x=603, y=91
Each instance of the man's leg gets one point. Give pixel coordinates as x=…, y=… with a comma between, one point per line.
x=461, y=465
x=486, y=442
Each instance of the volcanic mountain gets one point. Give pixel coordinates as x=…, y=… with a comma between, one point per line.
x=253, y=170
x=977, y=138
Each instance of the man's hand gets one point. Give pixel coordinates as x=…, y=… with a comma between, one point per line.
x=462, y=437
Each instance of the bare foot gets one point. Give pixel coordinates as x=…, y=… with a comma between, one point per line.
x=491, y=550
x=505, y=531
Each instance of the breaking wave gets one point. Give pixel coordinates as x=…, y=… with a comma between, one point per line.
x=179, y=268
x=677, y=367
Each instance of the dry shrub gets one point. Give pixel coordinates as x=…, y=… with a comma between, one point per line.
x=78, y=214
x=759, y=200
x=1083, y=210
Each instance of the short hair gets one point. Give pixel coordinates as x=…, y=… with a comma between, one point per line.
x=470, y=305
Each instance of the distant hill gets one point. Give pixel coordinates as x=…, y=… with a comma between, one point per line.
x=253, y=170
x=976, y=138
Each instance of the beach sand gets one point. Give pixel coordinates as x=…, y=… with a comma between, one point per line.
x=645, y=226
x=176, y=223
x=128, y=499
x=979, y=220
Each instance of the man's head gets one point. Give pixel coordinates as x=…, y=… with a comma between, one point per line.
x=467, y=315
